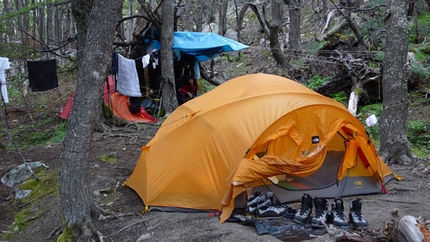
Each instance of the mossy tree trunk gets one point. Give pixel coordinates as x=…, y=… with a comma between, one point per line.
x=96, y=21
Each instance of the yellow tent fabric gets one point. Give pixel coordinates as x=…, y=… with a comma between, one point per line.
x=201, y=156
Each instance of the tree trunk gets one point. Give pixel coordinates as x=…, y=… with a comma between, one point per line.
x=168, y=91
x=199, y=16
x=275, y=46
x=393, y=120
x=294, y=11
x=49, y=24
x=324, y=9
x=222, y=18
x=41, y=25
x=94, y=48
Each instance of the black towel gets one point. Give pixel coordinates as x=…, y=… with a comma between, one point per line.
x=42, y=75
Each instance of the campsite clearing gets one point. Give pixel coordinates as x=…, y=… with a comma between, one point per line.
x=40, y=219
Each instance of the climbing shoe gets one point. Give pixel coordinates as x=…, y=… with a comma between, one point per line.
x=251, y=206
x=267, y=209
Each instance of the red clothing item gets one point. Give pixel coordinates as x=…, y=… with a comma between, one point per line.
x=188, y=88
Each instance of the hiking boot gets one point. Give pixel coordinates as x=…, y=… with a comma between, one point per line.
x=303, y=214
x=337, y=216
x=320, y=212
x=266, y=208
x=251, y=206
x=355, y=215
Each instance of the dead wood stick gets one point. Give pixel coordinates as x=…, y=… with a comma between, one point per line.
x=130, y=225
x=54, y=231
x=409, y=202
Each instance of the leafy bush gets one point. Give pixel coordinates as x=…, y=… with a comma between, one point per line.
x=366, y=111
x=419, y=136
x=341, y=97
x=420, y=71
x=316, y=81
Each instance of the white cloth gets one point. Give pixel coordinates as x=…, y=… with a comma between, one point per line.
x=4, y=65
x=127, y=78
x=197, y=70
x=371, y=120
x=145, y=60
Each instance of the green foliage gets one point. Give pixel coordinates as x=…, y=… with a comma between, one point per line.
x=421, y=56
x=423, y=22
x=36, y=135
x=420, y=71
x=419, y=136
x=204, y=86
x=18, y=51
x=316, y=81
x=341, y=97
x=108, y=158
x=364, y=112
x=314, y=46
x=380, y=55
x=47, y=183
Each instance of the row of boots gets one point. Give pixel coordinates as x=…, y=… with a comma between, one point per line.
x=336, y=216
x=263, y=206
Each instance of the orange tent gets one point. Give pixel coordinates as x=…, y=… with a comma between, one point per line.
x=256, y=130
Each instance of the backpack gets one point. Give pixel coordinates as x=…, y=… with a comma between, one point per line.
x=151, y=106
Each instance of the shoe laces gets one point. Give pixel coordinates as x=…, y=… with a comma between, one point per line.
x=357, y=215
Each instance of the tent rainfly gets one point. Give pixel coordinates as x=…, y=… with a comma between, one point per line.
x=257, y=131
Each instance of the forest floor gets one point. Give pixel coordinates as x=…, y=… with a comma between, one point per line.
x=40, y=218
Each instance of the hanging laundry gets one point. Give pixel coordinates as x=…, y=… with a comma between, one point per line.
x=4, y=65
x=145, y=60
x=114, y=64
x=197, y=70
x=127, y=78
x=42, y=75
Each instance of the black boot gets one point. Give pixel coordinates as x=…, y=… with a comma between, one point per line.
x=355, y=215
x=303, y=214
x=337, y=216
x=320, y=212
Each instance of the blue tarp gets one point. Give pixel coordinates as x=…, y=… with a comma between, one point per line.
x=204, y=46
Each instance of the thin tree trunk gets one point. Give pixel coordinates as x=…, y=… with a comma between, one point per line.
x=222, y=18
x=168, y=90
x=49, y=24
x=295, y=20
x=199, y=16
x=94, y=55
x=275, y=46
x=393, y=121
x=41, y=25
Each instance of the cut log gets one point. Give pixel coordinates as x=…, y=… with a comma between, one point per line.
x=410, y=229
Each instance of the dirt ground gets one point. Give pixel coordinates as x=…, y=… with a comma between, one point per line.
x=409, y=196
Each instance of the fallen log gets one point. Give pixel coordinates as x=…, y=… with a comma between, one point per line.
x=411, y=229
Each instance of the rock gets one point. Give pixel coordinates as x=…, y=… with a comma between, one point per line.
x=144, y=237
x=212, y=27
x=231, y=34
x=21, y=194
x=20, y=173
